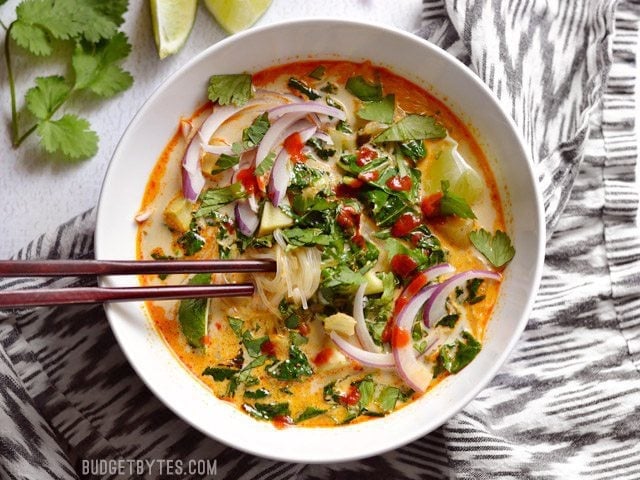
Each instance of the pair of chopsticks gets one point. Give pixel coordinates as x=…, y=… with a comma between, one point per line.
x=77, y=295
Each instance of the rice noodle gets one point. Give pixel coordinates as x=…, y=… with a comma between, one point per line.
x=297, y=275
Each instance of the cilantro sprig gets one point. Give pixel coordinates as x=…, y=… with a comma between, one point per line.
x=97, y=49
x=497, y=248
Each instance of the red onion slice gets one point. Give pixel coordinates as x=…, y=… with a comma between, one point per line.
x=419, y=282
x=367, y=359
x=413, y=371
x=362, y=332
x=435, y=309
x=275, y=135
x=279, y=178
x=193, y=180
x=306, y=108
x=246, y=219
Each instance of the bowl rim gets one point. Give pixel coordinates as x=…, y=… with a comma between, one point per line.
x=498, y=362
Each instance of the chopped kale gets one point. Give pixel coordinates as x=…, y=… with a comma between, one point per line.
x=267, y=411
x=303, y=88
x=294, y=368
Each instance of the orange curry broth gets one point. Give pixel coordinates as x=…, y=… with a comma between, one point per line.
x=410, y=98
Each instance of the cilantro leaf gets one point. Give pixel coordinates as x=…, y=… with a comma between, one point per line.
x=96, y=68
x=412, y=127
x=457, y=356
x=414, y=149
x=379, y=111
x=497, y=248
x=236, y=325
x=70, y=135
x=303, y=88
x=224, y=163
x=232, y=88
x=253, y=134
x=48, y=94
x=365, y=91
x=451, y=204
x=31, y=38
x=214, y=198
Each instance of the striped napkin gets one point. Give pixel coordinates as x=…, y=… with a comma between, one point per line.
x=566, y=404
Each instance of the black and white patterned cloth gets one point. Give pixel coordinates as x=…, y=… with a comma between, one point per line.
x=567, y=402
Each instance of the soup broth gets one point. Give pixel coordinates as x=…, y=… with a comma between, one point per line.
x=376, y=203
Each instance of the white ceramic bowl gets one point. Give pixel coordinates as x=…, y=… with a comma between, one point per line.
x=406, y=55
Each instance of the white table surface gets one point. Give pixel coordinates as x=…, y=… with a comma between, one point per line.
x=36, y=194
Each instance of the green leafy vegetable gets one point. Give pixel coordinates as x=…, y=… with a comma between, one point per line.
x=191, y=242
x=448, y=320
x=257, y=394
x=306, y=237
x=236, y=325
x=214, y=198
x=452, y=204
x=366, y=388
x=253, y=345
x=267, y=411
x=379, y=111
x=496, y=248
x=317, y=72
x=90, y=29
x=309, y=412
x=454, y=358
x=472, y=287
x=365, y=91
x=412, y=127
x=266, y=164
x=414, y=149
x=388, y=398
x=192, y=313
x=225, y=162
x=70, y=135
x=294, y=368
x=232, y=88
x=96, y=68
x=253, y=134
x=303, y=88
x=220, y=374
x=289, y=314
x=303, y=176
x=320, y=148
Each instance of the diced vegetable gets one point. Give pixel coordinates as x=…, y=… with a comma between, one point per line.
x=272, y=219
x=341, y=323
x=177, y=214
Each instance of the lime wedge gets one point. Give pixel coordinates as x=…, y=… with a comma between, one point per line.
x=236, y=15
x=193, y=313
x=449, y=165
x=172, y=22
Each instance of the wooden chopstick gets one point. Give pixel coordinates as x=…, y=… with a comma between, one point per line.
x=61, y=268
x=83, y=295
